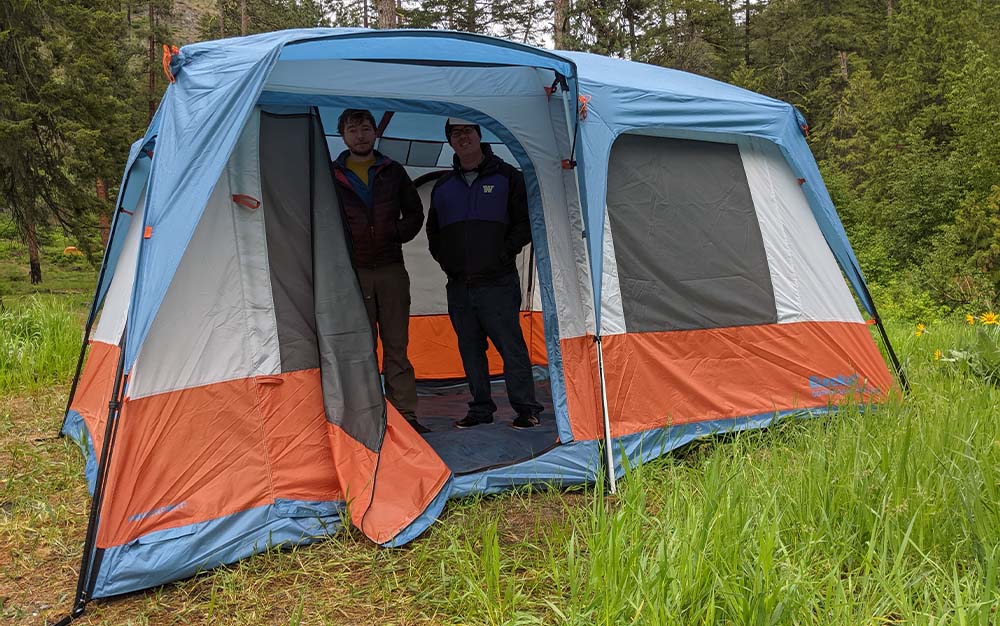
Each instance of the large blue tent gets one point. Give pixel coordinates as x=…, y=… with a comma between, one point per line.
x=687, y=272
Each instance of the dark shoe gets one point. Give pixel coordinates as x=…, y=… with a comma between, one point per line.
x=523, y=422
x=417, y=426
x=471, y=420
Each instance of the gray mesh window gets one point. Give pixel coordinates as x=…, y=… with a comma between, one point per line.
x=687, y=241
x=424, y=153
x=395, y=149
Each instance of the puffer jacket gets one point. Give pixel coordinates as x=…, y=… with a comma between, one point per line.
x=475, y=231
x=381, y=216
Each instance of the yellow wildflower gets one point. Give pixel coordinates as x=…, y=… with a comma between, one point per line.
x=970, y=319
x=989, y=318
x=937, y=355
x=920, y=330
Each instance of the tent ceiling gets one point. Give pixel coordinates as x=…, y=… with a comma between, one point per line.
x=393, y=80
x=441, y=47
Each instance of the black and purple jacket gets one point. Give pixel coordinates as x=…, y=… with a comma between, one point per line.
x=475, y=231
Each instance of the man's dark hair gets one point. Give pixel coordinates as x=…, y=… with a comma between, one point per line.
x=354, y=115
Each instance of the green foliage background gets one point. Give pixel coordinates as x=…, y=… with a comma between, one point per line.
x=903, y=99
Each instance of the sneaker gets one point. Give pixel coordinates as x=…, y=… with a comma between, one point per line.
x=471, y=420
x=417, y=426
x=523, y=422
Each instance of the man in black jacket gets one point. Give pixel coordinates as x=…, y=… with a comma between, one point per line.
x=476, y=225
x=383, y=211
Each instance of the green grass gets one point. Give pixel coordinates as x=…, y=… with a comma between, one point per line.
x=61, y=274
x=883, y=516
x=40, y=339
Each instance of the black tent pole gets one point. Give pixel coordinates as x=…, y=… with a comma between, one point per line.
x=900, y=374
x=90, y=323
x=85, y=584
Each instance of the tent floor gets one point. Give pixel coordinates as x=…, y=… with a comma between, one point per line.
x=466, y=450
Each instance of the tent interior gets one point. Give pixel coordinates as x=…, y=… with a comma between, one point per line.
x=410, y=103
x=417, y=141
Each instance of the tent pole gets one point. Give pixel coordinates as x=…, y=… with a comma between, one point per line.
x=896, y=365
x=85, y=584
x=90, y=323
x=571, y=130
x=608, y=442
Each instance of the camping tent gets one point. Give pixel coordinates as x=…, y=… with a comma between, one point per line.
x=688, y=275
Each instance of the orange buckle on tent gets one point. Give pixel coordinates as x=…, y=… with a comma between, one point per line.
x=549, y=91
x=802, y=181
x=805, y=129
x=583, y=105
x=568, y=164
x=244, y=200
x=148, y=233
x=168, y=54
x=870, y=322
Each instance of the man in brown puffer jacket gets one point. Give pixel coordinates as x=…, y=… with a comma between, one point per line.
x=383, y=211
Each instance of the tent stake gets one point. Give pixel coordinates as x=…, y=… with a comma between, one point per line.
x=608, y=443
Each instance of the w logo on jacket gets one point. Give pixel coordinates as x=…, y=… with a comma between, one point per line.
x=487, y=188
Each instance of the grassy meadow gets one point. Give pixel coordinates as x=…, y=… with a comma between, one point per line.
x=883, y=516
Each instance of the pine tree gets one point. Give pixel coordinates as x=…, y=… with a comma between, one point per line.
x=66, y=122
x=235, y=17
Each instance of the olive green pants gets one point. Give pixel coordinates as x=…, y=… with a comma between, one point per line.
x=386, y=291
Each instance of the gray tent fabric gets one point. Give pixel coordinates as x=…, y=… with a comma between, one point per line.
x=320, y=314
x=687, y=242
x=352, y=390
x=284, y=168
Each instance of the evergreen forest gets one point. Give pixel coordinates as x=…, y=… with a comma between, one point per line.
x=902, y=99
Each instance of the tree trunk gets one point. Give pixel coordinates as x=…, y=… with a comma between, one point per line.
x=105, y=223
x=34, y=259
x=559, y=15
x=842, y=55
x=387, y=17
x=630, y=18
x=888, y=8
x=244, y=21
x=152, y=61
x=222, y=19
x=470, y=16
x=746, y=31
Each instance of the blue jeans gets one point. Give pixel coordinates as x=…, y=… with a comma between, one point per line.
x=491, y=311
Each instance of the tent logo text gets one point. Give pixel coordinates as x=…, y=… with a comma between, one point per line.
x=822, y=386
x=157, y=511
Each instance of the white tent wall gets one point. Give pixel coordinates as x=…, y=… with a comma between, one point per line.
x=808, y=284
x=217, y=320
x=114, y=313
x=612, y=310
